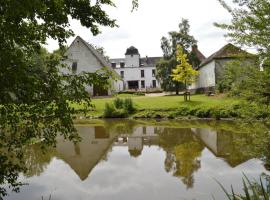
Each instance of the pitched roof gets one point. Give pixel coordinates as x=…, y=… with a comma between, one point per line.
x=228, y=51
x=103, y=61
x=198, y=53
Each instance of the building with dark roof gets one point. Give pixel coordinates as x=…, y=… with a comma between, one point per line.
x=137, y=73
x=212, y=68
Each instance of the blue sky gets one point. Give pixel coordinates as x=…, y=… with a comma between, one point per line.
x=153, y=19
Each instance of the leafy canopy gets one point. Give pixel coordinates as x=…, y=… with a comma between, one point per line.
x=35, y=97
x=249, y=25
x=183, y=38
x=183, y=71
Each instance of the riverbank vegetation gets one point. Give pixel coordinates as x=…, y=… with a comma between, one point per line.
x=201, y=106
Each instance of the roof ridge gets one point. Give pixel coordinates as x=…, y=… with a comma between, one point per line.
x=218, y=54
x=98, y=55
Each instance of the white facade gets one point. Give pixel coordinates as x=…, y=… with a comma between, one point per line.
x=137, y=73
x=206, y=77
x=82, y=57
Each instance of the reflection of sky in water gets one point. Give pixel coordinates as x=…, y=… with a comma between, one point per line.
x=121, y=176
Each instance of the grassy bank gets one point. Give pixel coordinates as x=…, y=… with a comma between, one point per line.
x=200, y=106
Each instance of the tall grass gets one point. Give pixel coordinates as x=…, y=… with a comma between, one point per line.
x=256, y=190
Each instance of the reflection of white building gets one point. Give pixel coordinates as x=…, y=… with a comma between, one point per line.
x=221, y=145
x=137, y=73
x=140, y=136
x=85, y=155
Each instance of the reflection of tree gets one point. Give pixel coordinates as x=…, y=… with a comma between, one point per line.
x=187, y=162
x=36, y=159
x=120, y=127
x=182, y=153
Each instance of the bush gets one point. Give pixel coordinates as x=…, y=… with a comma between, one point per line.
x=118, y=103
x=119, y=108
x=129, y=106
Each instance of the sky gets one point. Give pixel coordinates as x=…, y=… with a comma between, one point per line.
x=153, y=19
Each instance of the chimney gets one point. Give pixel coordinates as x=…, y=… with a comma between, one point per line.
x=194, y=48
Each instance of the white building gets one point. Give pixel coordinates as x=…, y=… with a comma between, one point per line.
x=211, y=69
x=137, y=73
x=83, y=57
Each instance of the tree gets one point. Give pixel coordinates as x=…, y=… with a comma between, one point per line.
x=183, y=72
x=34, y=96
x=249, y=25
x=169, y=47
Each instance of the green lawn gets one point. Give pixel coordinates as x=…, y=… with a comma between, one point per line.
x=165, y=103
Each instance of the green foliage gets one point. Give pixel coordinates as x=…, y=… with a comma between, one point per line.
x=183, y=72
x=129, y=106
x=119, y=108
x=256, y=190
x=249, y=25
x=169, y=61
x=245, y=80
x=34, y=95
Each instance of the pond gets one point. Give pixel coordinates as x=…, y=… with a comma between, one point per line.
x=129, y=159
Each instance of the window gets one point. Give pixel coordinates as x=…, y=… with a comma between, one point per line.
x=142, y=73
x=154, y=83
x=122, y=64
x=142, y=84
x=144, y=130
x=74, y=67
x=122, y=74
x=153, y=72
x=113, y=65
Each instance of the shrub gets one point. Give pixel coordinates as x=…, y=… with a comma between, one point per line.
x=129, y=106
x=109, y=110
x=118, y=103
x=119, y=108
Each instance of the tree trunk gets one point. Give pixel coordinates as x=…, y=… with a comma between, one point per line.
x=185, y=93
x=177, y=89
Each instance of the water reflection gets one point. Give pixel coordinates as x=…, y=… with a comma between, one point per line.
x=170, y=158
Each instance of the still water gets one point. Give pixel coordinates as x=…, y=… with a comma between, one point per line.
x=143, y=161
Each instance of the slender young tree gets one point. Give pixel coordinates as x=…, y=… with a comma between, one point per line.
x=183, y=72
x=183, y=38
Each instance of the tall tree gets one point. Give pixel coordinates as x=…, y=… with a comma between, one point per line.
x=169, y=48
x=249, y=25
x=34, y=96
x=183, y=72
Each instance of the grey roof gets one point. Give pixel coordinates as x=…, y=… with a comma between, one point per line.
x=145, y=62
x=150, y=61
x=117, y=60
x=228, y=51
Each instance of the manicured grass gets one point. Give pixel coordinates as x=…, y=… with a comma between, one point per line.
x=168, y=102
x=164, y=104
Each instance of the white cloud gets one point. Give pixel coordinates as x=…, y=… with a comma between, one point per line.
x=154, y=19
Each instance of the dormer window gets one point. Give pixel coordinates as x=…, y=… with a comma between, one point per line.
x=113, y=65
x=74, y=67
x=122, y=64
